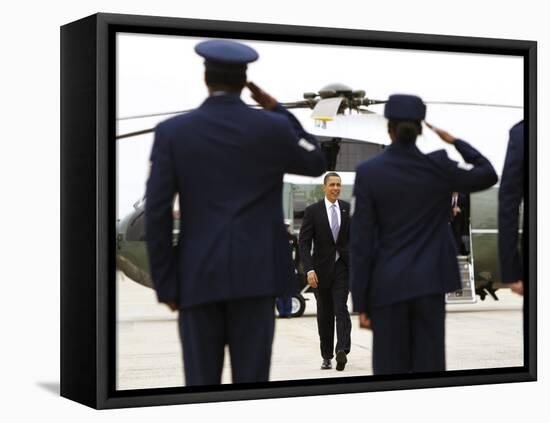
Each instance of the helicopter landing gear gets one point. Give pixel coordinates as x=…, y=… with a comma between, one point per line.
x=297, y=306
x=482, y=291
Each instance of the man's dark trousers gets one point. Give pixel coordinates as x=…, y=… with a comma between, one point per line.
x=331, y=303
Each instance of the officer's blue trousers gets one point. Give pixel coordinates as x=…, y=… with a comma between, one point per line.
x=246, y=326
x=409, y=336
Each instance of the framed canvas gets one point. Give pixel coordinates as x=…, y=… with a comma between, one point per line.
x=123, y=74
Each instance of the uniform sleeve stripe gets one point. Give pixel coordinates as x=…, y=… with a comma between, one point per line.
x=306, y=145
x=465, y=166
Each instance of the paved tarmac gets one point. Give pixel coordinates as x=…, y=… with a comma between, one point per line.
x=487, y=334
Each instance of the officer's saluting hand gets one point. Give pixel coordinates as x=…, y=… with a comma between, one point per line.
x=444, y=135
x=261, y=97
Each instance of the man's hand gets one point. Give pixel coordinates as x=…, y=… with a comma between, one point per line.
x=261, y=97
x=364, y=321
x=312, y=279
x=456, y=210
x=517, y=287
x=444, y=135
x=172, y=305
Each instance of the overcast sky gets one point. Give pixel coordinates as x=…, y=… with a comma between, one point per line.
x=163, y=73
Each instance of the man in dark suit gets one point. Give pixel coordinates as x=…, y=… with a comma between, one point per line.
x=326, y=225
x=510, y=196
x=284, y=304
x=460, y=220
x=402, y=252
x=226, y=161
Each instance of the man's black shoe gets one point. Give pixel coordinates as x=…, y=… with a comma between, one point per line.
x=326, y=364
x=341, y=360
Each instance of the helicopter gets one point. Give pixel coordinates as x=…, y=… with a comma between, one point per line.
x=349, y=131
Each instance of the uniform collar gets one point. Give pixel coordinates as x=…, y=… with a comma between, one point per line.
x=221, y=97
x=400, y=147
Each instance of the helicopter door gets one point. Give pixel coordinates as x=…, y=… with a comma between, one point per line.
x=467, y=294
x=462, y=231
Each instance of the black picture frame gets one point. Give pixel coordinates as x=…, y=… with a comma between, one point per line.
x=88, y=208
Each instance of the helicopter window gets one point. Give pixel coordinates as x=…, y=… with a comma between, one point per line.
x=136, y=227
x=352, y=154
x=346, y=154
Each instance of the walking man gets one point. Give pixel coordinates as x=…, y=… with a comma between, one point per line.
x=326, y=226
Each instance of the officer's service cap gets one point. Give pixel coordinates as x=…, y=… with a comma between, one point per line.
x=405, y=107
x=225, y=54
x=225, y=61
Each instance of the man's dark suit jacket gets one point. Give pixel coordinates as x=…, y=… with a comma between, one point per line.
x=316, y=229
x=510, y=196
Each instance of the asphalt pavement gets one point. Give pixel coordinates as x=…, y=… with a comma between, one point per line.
x=486, y=334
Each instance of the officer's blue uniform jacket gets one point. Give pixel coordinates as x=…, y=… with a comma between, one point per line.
x=510, y=196
x=226, y=161
x=401, y=241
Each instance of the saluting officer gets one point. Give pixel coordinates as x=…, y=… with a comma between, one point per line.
x=226, y=161
x=403, y=256
x=510, y=196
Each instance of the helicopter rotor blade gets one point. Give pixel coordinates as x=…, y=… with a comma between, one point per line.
x=298, y=104
x=368, y=112
x=289, y=105
x=154, y=115
x=370, y=102
x=462, y=103
x=134, y=134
